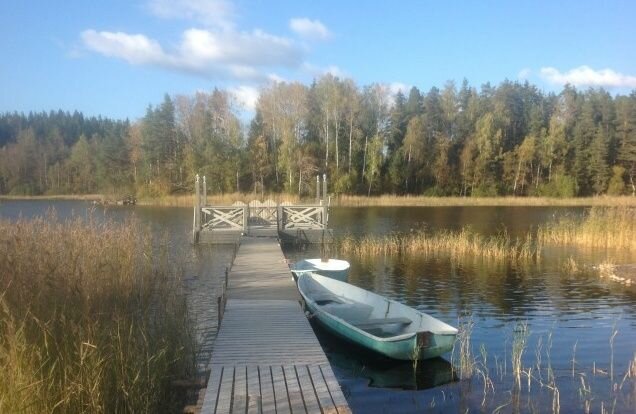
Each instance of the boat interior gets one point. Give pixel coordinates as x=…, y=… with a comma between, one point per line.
x=359, y=314
x=367, y=311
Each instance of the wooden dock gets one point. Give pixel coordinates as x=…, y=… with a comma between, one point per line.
x=266, y=357
x=291, y=223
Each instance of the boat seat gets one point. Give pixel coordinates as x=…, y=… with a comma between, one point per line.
x=376, y=323
x=326, y=298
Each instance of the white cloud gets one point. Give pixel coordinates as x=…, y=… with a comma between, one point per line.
x=310, y=29
x=133, y=48
x=273, y=77
x=318, y=71
x=209, y=12
x=215, y=49
x=396, y=87
x=586, y=76
x=227, y=54
x=524, y=73
x=246, y=96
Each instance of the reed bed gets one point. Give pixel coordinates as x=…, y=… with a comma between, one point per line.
x=90, y=320
x=392, y=200
x=602, y=227
x=454, y=244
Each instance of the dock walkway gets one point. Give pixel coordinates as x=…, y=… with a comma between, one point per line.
x=266, y=357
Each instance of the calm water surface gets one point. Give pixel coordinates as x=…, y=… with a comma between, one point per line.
x=570, y=318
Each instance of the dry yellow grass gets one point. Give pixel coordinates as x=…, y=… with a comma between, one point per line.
x=343, y=200
x=395, y=200
x=217, y=199
x=90, y=320
x=448, y=243
x=85, y=197
x=602, y=227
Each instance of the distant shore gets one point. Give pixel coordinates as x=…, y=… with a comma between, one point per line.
x=387, y=200
x=83, y=197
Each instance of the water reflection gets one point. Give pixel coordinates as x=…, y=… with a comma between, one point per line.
x=382, y=372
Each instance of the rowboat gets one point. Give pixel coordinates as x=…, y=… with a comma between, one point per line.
x=333, y=268
x=373, y=321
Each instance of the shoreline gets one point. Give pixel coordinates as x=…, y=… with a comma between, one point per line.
x=362, y=201
x=81, y=197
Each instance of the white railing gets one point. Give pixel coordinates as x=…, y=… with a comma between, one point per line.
x=223, y=217
x=303, y=216
x=268, y=214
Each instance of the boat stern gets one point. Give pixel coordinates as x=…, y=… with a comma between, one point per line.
x=432, y=345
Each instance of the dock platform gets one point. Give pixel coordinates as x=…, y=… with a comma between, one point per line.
x=266, y=357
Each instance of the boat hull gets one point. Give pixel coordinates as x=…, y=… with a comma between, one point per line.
x=421, y=345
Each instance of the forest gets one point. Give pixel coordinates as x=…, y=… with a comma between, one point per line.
x=509, y=139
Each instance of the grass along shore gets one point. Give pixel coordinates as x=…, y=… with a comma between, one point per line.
x=422, y=201
x=343, y=200
x=81, y=197
x=395, y=200
x=90, y=320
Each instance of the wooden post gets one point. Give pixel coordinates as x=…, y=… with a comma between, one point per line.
x=205, y=192
x=195, y=234
x=245, y=218
x=318, y=188
x=196, y=225
x=219, y=310
x=324, y=187
x=324, y=198
x=198, y=203
x=279, y=218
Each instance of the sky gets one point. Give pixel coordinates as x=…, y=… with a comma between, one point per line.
x=114, y=58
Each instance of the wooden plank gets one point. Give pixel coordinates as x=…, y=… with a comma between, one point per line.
x=293, y=390
x=253, y=390
x=224, y=403
x=280, y=390
x=322, y=391
x=239, y=400
x=212, y=390
x=334, y=389
x=267, y=389
x=266, y=357
x=307, y=389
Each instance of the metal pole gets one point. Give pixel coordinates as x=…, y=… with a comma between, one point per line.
x=205, y=192
x=318, y=188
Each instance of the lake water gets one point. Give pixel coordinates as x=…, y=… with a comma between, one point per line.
x=570, y=317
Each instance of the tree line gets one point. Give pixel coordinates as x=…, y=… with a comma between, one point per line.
x=509, y=139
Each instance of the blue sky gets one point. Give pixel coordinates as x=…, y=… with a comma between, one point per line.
x=114, y=58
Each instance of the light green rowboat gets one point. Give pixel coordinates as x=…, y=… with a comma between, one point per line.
x=373, y=321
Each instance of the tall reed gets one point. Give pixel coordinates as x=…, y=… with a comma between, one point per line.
x=91, y=320
x=603, y=227
x=451, y=243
